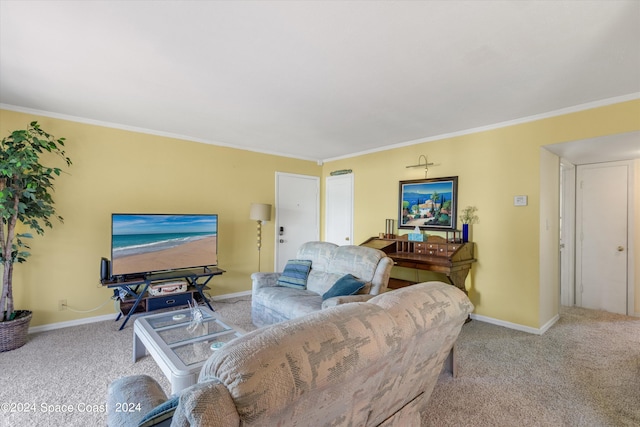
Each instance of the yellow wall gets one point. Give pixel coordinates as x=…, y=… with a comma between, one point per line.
x=120, y=171
x=492, y=167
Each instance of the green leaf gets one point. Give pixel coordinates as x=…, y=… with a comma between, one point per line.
x=26, y=179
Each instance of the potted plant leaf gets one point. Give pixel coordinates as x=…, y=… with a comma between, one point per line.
x=25, y=197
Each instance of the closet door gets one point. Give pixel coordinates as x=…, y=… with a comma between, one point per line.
x=339, y=210
x=602, y=234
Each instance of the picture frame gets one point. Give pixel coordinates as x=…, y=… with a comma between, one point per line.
x=430, y=204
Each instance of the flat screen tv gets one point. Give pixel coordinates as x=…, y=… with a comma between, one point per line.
x=151, y=243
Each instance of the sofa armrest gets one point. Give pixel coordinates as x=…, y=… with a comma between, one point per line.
x=130, y=398
x=263, y=280
x=380, y=281
x=206, y=404
x=334, y=301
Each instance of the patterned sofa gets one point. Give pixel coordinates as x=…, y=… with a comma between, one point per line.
x=371, y=363
x=271, y=303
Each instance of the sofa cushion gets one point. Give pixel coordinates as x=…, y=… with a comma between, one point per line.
x=295, y=274
x=321, y=281
x=319, y=252
x=142, y=390
x=360, y=261
x=290, y=303
x=346, y=285
x=160, y=413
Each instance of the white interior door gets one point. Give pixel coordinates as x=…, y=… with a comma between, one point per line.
x=297, y=214
x=339, y=209
x=602, y=214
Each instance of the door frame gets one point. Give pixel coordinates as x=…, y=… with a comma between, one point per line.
x=568, y=233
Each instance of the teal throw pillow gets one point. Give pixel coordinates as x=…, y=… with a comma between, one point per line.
x=160, y=413
x=295, y=274
x=346, y=285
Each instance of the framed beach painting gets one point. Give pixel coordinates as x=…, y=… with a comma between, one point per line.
x=430, y=204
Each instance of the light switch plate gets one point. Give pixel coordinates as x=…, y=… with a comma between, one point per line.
x=520, y=201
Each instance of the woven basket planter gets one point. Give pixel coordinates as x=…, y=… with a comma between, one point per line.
x=13, y=334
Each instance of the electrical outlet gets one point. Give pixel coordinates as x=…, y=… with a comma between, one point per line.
x=62, y=304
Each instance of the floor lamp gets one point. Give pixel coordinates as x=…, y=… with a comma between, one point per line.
x=260, y=212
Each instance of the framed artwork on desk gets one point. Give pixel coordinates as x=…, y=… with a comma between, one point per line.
x=429, y=203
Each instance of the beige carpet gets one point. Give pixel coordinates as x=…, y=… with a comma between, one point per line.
x=585, y=371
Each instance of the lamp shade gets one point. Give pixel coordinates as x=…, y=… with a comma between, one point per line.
x=260, y=212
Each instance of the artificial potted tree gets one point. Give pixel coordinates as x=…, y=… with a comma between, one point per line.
x=25, y=198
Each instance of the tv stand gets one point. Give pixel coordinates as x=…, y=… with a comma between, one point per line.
x=141, y=301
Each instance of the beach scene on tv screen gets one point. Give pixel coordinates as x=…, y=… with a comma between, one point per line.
x=146, y=243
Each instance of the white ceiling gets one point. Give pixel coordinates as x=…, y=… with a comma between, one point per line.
x=316, y=80
x=609, y=148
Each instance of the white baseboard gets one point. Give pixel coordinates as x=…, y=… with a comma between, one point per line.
x=87, y=320
x=517, y=326
x=77, y=322
x=233, y=295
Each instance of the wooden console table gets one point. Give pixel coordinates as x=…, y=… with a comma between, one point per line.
x=436, y=254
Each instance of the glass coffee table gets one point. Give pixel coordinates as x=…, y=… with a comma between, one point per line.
x=179, y=346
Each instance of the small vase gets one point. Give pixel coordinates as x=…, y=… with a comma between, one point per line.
x=465, y=233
